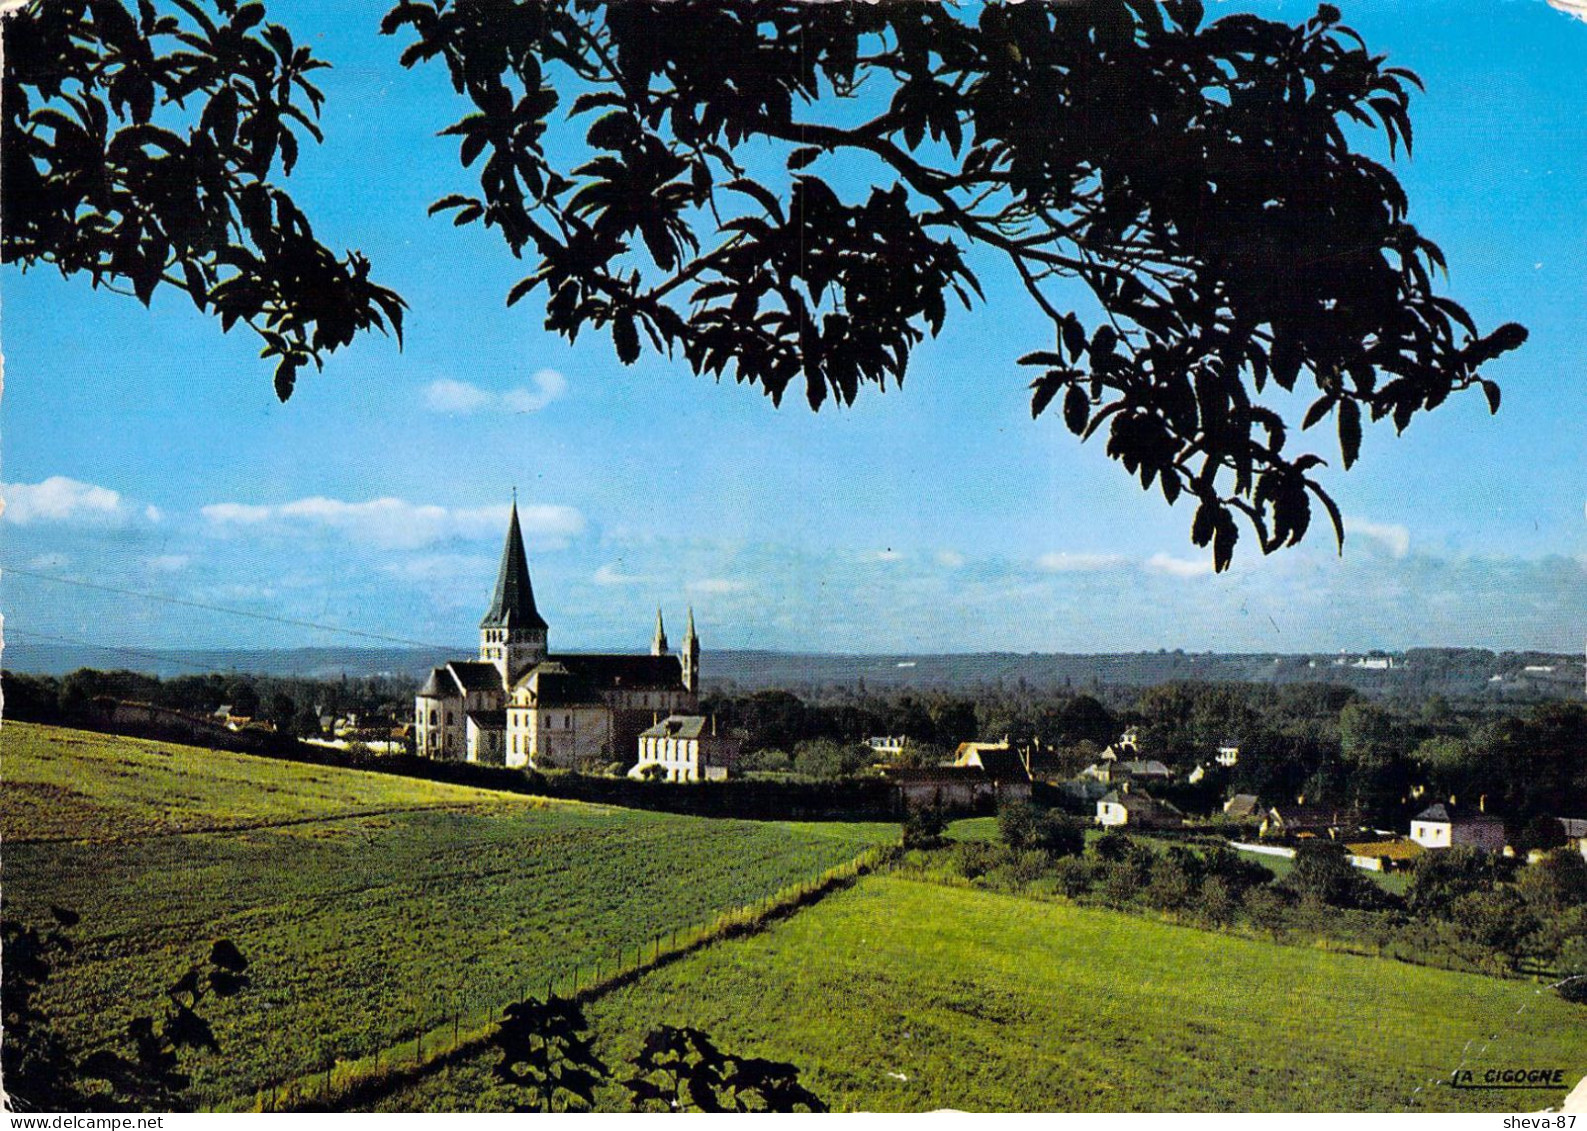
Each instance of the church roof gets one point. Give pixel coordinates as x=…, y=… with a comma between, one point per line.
x=513, y=605
x=440, y=685
x=555, y=686
x=489, y=720
x=614, y=673
x=476, y=675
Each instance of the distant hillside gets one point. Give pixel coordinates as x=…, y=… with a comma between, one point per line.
x=1416, y=672
x=310, y=663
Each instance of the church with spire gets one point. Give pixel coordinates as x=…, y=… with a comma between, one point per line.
x=521, y=705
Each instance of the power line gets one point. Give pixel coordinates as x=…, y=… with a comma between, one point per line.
x=270, y=617
x=162, y=657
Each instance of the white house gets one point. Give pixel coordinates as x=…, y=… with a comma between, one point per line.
x=679, y=749
x=887, y=747
x=1439, y=826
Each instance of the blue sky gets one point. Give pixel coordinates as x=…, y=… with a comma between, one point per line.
x=145, y=450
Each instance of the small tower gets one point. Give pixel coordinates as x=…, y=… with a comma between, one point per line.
x=691, y=657
x=513, y=634
x=658, y=646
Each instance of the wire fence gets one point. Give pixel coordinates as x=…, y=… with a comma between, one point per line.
x=463, y=1023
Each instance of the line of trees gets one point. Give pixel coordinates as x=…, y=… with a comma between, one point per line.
x=293, y=706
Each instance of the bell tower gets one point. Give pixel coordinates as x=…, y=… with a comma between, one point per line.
x=513, y=634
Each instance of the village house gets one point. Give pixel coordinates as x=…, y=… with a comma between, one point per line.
x=685, y=748
x=1575, y=832
x=519, y=705
x=1243, y=807
x=1137, y=809
x=958, y=787
x=1136, y=769
x=1302, y=820
x=888, y=748
x=1442, y=826
x=1000, y=761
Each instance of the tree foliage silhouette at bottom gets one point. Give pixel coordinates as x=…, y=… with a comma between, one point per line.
x=681, y=1069
x=546, y=1050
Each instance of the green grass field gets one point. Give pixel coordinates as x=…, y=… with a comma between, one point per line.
x=367, y=903
x=906, y=996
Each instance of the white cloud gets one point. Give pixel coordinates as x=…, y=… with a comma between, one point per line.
x=241, y=514
x=1577, y=8
x=1179, y=567
x=950, y=559
x=611, y=575
x=549, y=385
x=1394, y=538
x=398, y=523
x=59, y=499
x=49, y=561
x=717, y=585
x=169, y=563
x=887, y=555
x=456, y=396
x=460, y=397
x=440, y=567
x=1065, y=562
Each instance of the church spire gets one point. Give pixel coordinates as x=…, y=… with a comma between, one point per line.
x=691, y=657
x=658, y=646
x=513, y=605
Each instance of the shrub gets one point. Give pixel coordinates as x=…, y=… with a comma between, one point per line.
x=1323, y=874
x=1218, y=903
x=1072, y=876
x=1174, y=882
x=1267, y=908
x=923, y=828
x=975, y=858
x=1030, y=865
x=1235, y=872
x=1058, y=835
x=1113, y=845
x=1017, y=823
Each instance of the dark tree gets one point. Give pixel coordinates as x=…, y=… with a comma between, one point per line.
x=1196, y=179
x=546, y=1050
x=141, y=150
x=681, y=1069
x=1439, y=879
x=1322, y=873
x=140, y=1073
x=33, y=1056
x=147, y=1074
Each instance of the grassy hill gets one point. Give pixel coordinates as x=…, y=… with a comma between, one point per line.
x=905, y=996
x=370, y=905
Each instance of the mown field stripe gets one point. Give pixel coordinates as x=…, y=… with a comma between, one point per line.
x=258, y=826
x=344, y=1085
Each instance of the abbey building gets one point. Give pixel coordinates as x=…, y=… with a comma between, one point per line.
x=520, y=705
